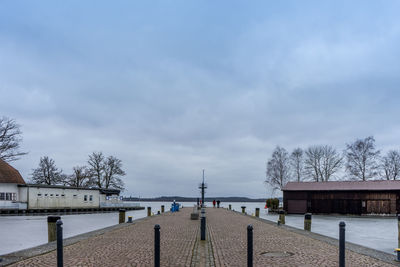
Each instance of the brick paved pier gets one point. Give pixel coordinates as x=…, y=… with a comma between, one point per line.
x=132, y=245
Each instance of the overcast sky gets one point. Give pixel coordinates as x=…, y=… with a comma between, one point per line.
x=174, y=87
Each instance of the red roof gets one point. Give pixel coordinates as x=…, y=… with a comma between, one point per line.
x=377, y=185
x=9, y=175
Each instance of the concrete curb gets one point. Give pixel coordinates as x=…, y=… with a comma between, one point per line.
x=373, y=253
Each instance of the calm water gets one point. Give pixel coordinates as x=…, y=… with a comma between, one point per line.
x=21, y=232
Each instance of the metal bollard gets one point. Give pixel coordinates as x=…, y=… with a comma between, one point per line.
x=60, y=260
x=121, y=216
x=51, y=228
x=203, y=225
x=307, y=222
x=162, y=208
x=230, y=207
x=282, y=216
x=257, y=212
x=342, y=242
x=157, y=245
x=148, y=211
x=243, y=209
x=249, y=246
x=129, y=219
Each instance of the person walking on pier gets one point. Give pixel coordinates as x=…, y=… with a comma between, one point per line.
x=218, y=201
x=214, y=203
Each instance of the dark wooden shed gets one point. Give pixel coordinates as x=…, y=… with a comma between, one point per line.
x=350, y=197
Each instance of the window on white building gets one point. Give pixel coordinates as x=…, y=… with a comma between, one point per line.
x=62, y=195
x=39, y=195
x=75, y=196
x=85, y=198
x=2, y=196
x=14, y=197
x=90, y=198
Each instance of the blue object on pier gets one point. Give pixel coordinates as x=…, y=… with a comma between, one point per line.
x=174, y=207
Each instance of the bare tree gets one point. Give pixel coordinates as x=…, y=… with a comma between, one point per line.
x=313, y=158
x=297, y=163
x=47, y=172
x=362, y=159
x=106, y=172
x=322, y=162
x=10, y=139
x=96, y=163
x=278, y=168
x=113, y=172
x=81, y=177
x=391, y=164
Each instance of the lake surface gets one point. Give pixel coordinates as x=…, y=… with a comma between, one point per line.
x=21, y=232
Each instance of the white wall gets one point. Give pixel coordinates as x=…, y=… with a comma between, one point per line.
x=9, y=188
x=23, y=194
x=43, y=197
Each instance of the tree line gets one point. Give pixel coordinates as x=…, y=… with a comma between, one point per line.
x=100, y=171
x=320, y=163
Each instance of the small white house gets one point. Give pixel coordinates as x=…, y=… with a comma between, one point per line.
x=11, y=197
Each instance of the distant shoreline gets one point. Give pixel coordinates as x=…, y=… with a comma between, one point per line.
x=194, y=199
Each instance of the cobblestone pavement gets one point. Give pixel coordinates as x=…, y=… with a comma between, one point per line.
x=226, y=245
x=132, y=245
x=228, y=232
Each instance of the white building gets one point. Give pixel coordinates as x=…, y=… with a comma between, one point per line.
x=15, y=194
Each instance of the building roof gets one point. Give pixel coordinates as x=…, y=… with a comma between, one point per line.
x=101, y=190
x=377, y=185
x=109, y=191
x=9, y=175
x=59, y=186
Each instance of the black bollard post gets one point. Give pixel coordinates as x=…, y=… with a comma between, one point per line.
x=342, y=240
x=203, y=225
x=59, y=243
x=157, y=245
x=249, y=246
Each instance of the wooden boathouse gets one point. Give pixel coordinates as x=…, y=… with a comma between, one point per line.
x=342, y=197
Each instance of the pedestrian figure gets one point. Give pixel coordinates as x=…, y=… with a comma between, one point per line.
x=218, y=201
x=214, y=203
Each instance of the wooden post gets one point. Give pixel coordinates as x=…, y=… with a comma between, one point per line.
x=148, y=211
x=243, y=209
x=257, y=212
x=282, y=216
x=162, y=208
x=121, y=216
x=230, y=207
x=52, y=227
x=307, y=222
